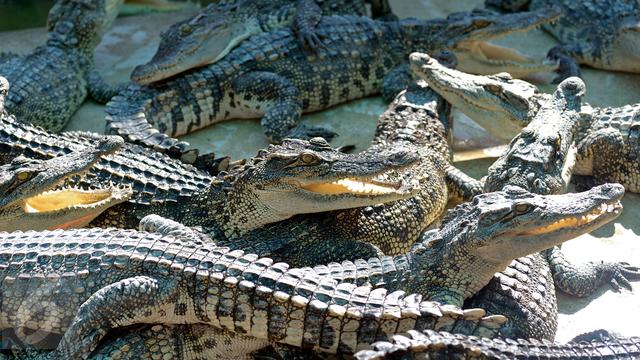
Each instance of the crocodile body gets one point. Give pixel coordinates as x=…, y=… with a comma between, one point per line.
x=413, y=123
x=140, y=277
x=209, y=35
x=601, y=33
x=606, y=140
x=171, y=278
x=416, y=121
x=439, y=345
x=273, y=77
x=533, y=311
x=233, y=203
x=49, y=84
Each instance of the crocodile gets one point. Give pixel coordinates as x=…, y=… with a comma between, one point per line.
x=50, y=83
x=210, y=34
x=171, y=279
x=534, y=310
x=602, y=34
x=412, y=123
x=31, y=199
x=296, y=177
x=606, y=141
x=429, y=344
x=272, y=77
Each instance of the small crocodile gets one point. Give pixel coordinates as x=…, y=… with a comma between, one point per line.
x=209, y=35
x=31, y=199
x=429, y=344
x=607, y=140
x=123, y=277
x=599, y=33
x=272, y=77
x=50, y=83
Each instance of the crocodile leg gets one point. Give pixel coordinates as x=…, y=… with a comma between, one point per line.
x=129, y=301
x=164, y=226
x=99, y=90
x=281, y=102
x=381, y=10
x=462, y=186
x=604, y=149
x=584, y=280
x=395, y=81
x=307, y=17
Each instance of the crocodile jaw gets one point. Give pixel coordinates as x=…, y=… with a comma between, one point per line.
x=564, y=220
x=62, y=209
x=484, y=58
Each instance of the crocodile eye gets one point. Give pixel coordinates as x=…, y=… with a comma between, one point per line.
x=22, y=176
x=492, y=88
x=308, y=158
x=522, y=208
x=185, y=29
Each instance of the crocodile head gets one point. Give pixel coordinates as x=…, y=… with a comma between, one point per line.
x=468, y=32
x=30, y=198
x=500, y=104
x=479, y=238
x=80, y=24
x=542, y=156
x=300, y=177
x=200, y=40
x=622, y=51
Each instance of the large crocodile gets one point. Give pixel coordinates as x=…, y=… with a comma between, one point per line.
x=272, y=77
x=49, y=84
x=122, y=277
x=533, y=310
x=413, y=123
x=607, y=138
x=430, y=344
x=209, y=35
x=31, y=199
x=599, y=33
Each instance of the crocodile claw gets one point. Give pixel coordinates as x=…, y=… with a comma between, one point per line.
x=567, y=67
x=310, y=40
x=621, y=274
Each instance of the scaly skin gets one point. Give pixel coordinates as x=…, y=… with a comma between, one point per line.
x=147, y=274
x=32, y=200
x=541, y=158
x=281, y=181
x=209, y=35
x=439, y=345
x=272, y=77
x=601, y=33
x=48, y=85
x=537, y=307
x=607, y=138
x=126, y=277
x=415, y=121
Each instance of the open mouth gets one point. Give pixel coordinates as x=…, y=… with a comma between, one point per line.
x=604, y=210
x=355, y=187
x=62, y=199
